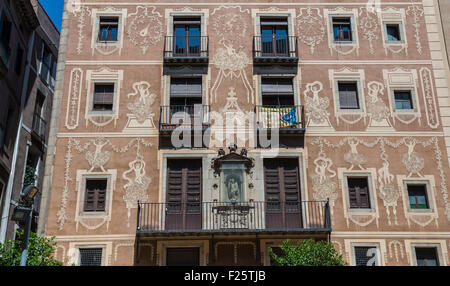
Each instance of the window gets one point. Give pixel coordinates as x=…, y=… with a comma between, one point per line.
x=358, y=193
x=274, y=36
x=418, y=196
x=103, y=97
x=187, y=36
x=427, y=256
x=19, y=60
x=277, y=91
x=108, y=29
x=393, y=32
x=403, y=99
x=342, y=29
x=91, y=256
x=39, y=124
x=185, y=91
x=46, y=64
x=348, y=95
x=95, y=195
x=366, y=256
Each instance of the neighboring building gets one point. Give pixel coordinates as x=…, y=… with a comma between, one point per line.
x=29, y=51
x=178, y=107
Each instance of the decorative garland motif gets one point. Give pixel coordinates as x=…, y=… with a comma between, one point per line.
x=145, y=27
x=429, y=97
x=369, y=27
x=74, y=100
x=311, y=29
x=81, y=13
x=398, y=247
x=417, y=12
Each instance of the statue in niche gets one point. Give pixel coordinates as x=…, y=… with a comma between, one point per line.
x=233, y=175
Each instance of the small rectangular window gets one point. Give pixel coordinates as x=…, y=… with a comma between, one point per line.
x=103, y=97
x=95, y=195
x=19, y=60
x=185, y=91
x=393, y=32
x=358, y=190
x=348, y=95
x=277, y=91
x=342, y=29
x=418, y=197
x=403, y=99
x=108, y=29
x=91, y=256
x=427, y=256
x=364, y=256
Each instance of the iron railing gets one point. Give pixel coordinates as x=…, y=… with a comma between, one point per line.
x=39, y=126
x=233, y=217
x=290, y=117
x=186, y=47
x=184, y=116
x=274, y=47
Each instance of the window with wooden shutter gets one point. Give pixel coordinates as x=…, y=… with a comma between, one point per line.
x=348, y=95
x=103, y=97
x=95, y=195
x=358, y=193
x=277, y=91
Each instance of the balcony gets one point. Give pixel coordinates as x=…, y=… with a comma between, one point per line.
x=270, y=49
x=188, y=117
x=287, y=119
x=39, y=127
x=186, y=49
x=239, y=217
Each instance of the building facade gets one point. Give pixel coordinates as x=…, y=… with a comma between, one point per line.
x=204, y=133
x=29, y=47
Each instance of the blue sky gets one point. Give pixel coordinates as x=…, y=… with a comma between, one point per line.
x=54, y=9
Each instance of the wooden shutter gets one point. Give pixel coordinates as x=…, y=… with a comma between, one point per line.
x=174, y=184
x=184, y=181
x=104, y=94
x=281, y=179
x=95, y=195
x=348, y=96
x=358, y=193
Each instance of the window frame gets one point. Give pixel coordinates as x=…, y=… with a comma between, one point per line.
x=348, y=191
x=429, y=195
x=361, y=101
x=427, y=201
x=376, y=245
x=293, y=84
x=102, y=247
x=101, y=22
x=96, y=209
x=370, y=175
x=95, y=83
x=440, y=245
x=412, y=100
x=401, y=32
x=339, y=41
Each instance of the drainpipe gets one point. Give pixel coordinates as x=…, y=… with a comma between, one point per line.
x=9, y=188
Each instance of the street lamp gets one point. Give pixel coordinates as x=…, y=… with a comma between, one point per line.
x=23, y=212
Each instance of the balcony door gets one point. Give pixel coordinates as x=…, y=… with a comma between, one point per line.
x=274, y=37
x=187, y=37
x=282, y=193
x=185, y=93
x=184, y=194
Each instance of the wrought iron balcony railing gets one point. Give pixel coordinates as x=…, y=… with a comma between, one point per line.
x=275, y=49
x=284, y=118
x=184, y=116
x=211, y=217
x=186, y=49
x=39, y=126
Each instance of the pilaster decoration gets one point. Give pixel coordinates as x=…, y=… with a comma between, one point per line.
x=81, y=13
x=316, y=107
x=368, y=23
x=107, y=48
x=429, y=97
x=231, y=59
x=340, y=47
x=388, y=193
x=378, y=112
x=235, y=245
x=397, y=15
x=396, y=248
x=145, y=27
x=96, y=160
x=311, y=29
x=104, y=74
x=141, y=118
x=417, y=12
x=413, y=161
x=323, y=186
x=74, y=99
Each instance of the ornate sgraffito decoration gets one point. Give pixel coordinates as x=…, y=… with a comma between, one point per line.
x=81, y=13
x=396, y=248
x=378, y=112
x=96, y=160
x=353, y=157
x=413, y=161
x=416, y=12
x=74, y=99
x=124, y=244
x=231, y=60
x=145, y=27
x=429, y=97
x=311, y=29
x=316, y=107
x=368, y=23
x=388, y=192
x=141, y=117
x=138, y=182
